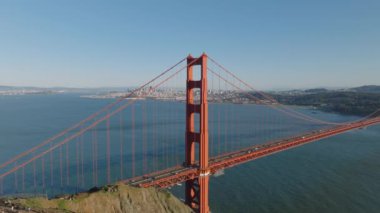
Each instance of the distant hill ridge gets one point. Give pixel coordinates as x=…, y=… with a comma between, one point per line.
x=367, y=89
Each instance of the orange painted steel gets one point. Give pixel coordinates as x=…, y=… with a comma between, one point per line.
x=256, y=152
x=196, y=172
x=181, y=174
x=196, y=189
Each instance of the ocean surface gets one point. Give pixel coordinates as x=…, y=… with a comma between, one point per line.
x=338, y=174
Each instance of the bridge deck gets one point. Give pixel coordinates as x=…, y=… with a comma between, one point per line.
x=176, y=175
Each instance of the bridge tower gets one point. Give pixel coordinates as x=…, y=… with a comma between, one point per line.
x=197, y=189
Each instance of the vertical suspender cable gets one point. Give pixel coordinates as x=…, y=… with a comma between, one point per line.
x=60, y=165
x=77, y=163
x=34, y=176
x=93, y=156
x=82, y=159
x=143, y=105
x=67, y=166
x=96, y=156
x=16, y=179
x=43, y=173
x=225, y=107
x=121, y=145
x=154, y=118
x=108, y=150
x=219, y=120
x=1, y=186
x=51, y=167
x=23, y=178
x=212, y=117
x=133, y=139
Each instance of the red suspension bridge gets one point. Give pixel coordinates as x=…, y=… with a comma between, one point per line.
x=161, y=134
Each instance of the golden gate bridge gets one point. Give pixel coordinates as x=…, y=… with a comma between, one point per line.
x=140, y=141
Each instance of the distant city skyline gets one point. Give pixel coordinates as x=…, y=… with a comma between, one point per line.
x=271, y=44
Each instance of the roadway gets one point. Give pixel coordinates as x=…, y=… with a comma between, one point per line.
x=178, y=174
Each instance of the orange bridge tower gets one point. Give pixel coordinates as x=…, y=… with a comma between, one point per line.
x=197, y=189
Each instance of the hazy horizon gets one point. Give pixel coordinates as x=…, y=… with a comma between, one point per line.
x=131, y=87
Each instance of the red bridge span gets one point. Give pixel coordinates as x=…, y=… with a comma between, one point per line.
x=176, y=175
x=133, y=141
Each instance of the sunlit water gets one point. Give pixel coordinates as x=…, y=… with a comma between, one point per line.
x=339, y=174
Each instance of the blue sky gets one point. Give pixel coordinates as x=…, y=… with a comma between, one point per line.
x=270, y=43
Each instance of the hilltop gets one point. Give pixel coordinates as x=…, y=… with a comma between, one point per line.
x=367, y=89
x=118, y=198
x=353, y=101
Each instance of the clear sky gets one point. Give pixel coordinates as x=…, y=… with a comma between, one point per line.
x=270, y=43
